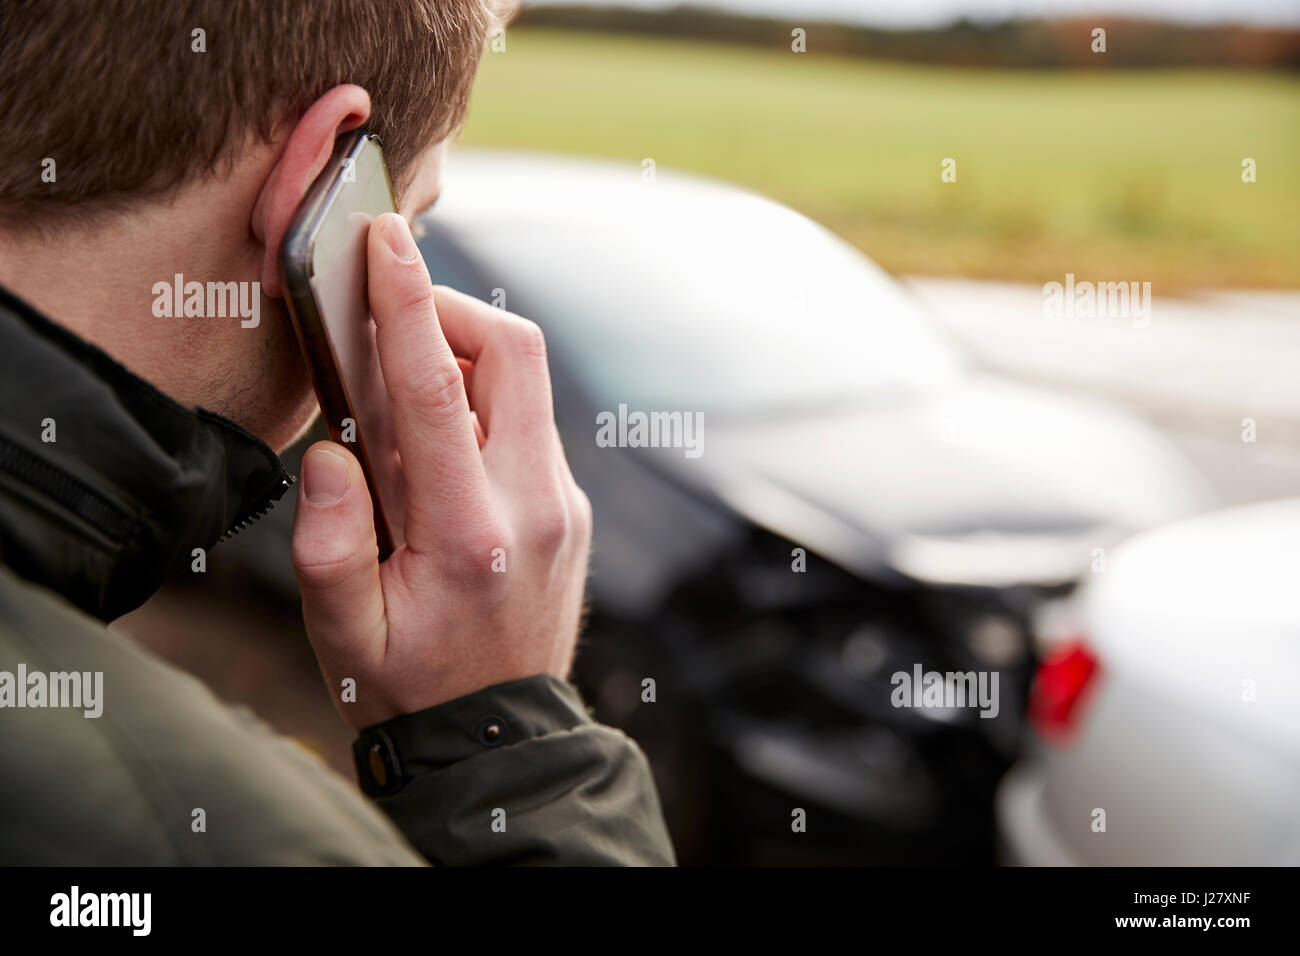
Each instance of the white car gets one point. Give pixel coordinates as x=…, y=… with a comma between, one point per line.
x=1169, y=733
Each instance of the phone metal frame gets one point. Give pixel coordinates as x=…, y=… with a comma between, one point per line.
x=296, y=252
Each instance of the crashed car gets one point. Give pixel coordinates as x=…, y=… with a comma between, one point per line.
x=859, y=501
x=1166, y=724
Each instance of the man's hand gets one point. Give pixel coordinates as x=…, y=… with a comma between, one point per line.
x=440, y=618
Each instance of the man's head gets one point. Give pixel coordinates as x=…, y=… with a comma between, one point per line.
x=150, y=138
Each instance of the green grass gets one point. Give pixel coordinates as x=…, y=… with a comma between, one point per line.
x=1131, y=175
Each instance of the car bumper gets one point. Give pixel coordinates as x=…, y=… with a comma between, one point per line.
x=1025, y=836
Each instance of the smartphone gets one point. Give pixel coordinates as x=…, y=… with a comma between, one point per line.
x=323, y=257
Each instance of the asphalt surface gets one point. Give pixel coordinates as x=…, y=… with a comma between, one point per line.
x=1198, y=368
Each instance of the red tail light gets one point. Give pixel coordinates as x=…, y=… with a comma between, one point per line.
x=1062, y=682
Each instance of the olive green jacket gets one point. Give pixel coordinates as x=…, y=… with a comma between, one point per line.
x=90, y=524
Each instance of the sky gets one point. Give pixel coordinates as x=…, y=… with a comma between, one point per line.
x=907, y=13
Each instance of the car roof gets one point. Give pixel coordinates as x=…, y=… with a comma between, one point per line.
x=515, y=187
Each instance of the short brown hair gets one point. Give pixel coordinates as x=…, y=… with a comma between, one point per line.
x=115, y=93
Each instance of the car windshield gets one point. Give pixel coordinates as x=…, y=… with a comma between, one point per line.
x=747, y=309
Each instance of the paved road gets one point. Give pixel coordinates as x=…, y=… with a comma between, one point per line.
x=1199, y=368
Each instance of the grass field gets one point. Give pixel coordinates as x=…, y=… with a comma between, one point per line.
x=1109, y=175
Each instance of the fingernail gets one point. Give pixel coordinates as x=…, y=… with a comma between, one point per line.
x=398, y=236
x=325, y=477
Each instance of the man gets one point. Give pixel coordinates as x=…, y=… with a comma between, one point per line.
x=150, y=139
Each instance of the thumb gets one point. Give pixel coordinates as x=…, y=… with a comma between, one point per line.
x=336, y=560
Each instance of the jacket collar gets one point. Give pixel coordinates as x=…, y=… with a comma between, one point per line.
x=107, y=484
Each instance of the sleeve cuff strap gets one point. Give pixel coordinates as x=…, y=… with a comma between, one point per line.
x=390, y=754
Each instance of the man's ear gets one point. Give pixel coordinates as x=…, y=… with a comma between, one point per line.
x=308, y=148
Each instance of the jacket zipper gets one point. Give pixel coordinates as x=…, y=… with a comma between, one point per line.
x=258, y=513
x=65, y=489
x=97, y=510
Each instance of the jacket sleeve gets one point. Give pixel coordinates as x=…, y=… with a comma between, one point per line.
x=517, y=773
